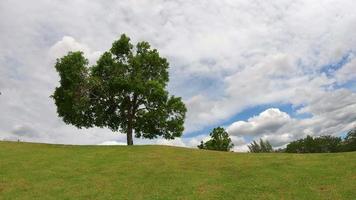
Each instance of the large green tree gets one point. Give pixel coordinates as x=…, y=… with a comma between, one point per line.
x=124, y=91
x=219, y=141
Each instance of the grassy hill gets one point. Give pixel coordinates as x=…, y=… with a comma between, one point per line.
x=41, y=171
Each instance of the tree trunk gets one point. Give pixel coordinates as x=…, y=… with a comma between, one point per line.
x=129, y=131
x=129, y=136
x=131, y=116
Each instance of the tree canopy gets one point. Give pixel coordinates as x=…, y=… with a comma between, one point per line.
x=350, y=140
x=261, y=147
x=124, y=91
x=219, y=141
x=322, y=144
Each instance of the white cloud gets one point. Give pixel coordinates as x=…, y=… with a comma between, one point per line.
x=237, y=141
x=347, y=72
x=240, y=148
x=332, y=113
x=68, y=44
x=109, y=143
x=269, y=121
x=272, y=124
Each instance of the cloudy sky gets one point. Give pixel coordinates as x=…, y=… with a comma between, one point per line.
x=278, y=70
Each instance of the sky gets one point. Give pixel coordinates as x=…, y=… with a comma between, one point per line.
x=277, y=70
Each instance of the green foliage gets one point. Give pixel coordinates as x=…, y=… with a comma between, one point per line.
x=125, y=91
x=220, y=141
x=322, y=144
x=261, y=147
x=349, y=143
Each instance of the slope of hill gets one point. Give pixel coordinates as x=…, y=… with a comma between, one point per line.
x=41, y=171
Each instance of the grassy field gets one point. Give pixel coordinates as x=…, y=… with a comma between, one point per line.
x=40, y=171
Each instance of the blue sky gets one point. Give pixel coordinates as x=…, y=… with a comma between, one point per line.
x=277, y=70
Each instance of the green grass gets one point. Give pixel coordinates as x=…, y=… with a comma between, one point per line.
x=41, y=171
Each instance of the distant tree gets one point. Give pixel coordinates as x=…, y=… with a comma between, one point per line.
x=254, y=147
x=201, y=145
x=261, y=147
x=309, y=145
x=327, y=143
x=265, y=146
x=349, y=143
x=124, y=91
x=219, y=141
x=295, y=147
x=322, y=144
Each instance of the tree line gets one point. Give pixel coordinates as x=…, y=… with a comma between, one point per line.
x=221, y=141
x=323, y=144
